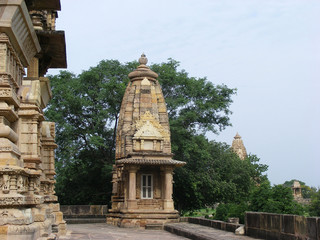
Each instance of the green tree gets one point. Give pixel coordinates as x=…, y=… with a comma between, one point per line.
x=86, y=110
x=314, y=209
x=213, y=174
x=194, y=104
x=231, y=210
x=259, y=197
x=276, y=199
x=282, y=201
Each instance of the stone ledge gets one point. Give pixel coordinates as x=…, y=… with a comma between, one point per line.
x=229, y=227
x=199, y=232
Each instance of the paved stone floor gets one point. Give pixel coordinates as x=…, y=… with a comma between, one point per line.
x=109, y=232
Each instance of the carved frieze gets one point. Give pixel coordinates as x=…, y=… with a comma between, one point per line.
x=148, y=117
x=11, y=200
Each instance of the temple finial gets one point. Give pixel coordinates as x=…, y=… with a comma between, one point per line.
x=143, y=60
x=237, y=136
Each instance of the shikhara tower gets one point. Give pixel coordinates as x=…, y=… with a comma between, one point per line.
x=238, y=147
x=142, y=175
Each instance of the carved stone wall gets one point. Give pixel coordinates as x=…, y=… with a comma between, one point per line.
x=28, y=206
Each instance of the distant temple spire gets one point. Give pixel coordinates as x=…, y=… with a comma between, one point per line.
x=238, y=147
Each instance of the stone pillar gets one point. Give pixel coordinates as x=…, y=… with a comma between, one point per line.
x=33, y=68
x=167, y=195
x=132, y=200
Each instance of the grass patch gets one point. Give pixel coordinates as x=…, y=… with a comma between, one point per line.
x=203, y=212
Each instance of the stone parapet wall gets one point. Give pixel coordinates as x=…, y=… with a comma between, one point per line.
x=77, y=214
x=87, y=210
x=282, y=226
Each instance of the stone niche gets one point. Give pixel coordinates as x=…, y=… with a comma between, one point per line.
x=148, y=136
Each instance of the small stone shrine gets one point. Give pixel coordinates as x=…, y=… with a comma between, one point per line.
x=143, y=170
x=238, y=147
x=29, y=208
x=296, y=188
x=297, y=193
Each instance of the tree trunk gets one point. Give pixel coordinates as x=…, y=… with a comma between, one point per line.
x=114, y=137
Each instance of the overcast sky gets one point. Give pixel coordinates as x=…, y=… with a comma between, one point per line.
x=268, y=49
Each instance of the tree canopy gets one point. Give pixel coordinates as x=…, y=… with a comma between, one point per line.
x=86, y=108
x=314, y=209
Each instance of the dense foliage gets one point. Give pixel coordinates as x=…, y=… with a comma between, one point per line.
x=276, y=199
x=86, y=110
x=314, y=209
x=263, y=198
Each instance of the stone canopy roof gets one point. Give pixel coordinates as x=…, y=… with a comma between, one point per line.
x=143, y=161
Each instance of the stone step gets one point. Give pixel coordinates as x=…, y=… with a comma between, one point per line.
x=84, y=220
x=154, y=226
x=84, y=216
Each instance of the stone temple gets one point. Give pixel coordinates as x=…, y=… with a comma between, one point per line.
x=29, y=208
x=143, y=170
x=238, y=147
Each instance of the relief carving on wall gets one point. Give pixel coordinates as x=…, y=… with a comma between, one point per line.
x=150, y=135
x=147, y=116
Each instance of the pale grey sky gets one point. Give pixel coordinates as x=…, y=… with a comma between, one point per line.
x=268, y=49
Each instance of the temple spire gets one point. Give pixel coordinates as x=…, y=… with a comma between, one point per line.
x=238, y=147
x=143, y=170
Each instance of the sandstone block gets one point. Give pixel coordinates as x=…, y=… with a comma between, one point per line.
x=59, y=217
x=240, y=230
